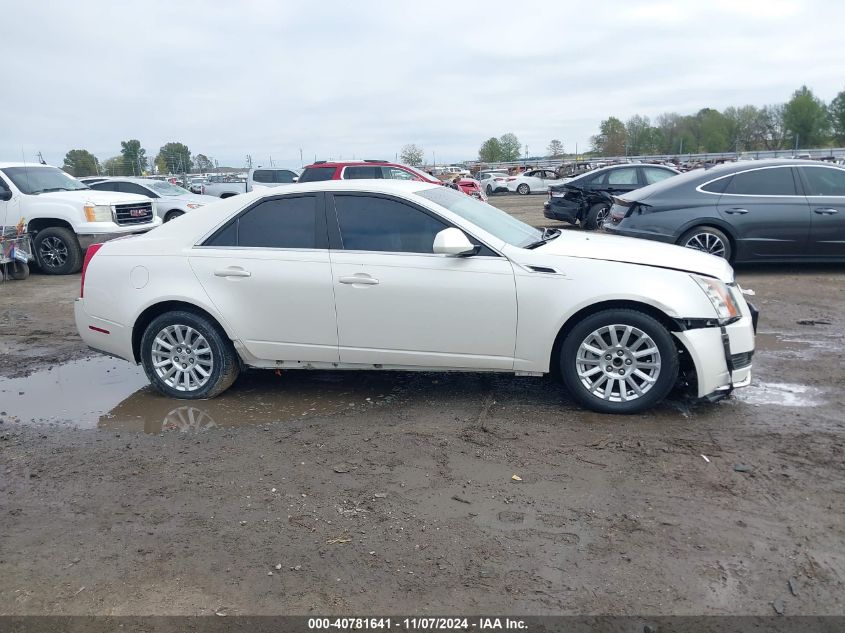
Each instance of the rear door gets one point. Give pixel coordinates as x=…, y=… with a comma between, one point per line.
x=622, y=180
x=770, y=217
x=268, y=273
x=824, y=188
x=400, y=304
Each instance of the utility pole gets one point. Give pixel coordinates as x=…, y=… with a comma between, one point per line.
x=301, y=162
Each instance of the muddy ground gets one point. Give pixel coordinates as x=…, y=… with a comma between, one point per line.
x=389, y=493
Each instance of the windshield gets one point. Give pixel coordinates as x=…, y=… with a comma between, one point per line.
x=164, y=188
x=498, y=223
x=37, y=179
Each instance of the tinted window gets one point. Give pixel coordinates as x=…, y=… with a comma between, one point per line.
x=104, y=186
x=763, y=182
x=394, y=173
x=279, y=223
x=262, y=175
x=131, y=187
x=380, y=224
x=624, y=176
x=363, y=171
x=653, y=174
x=284, y=176
x=823, y=181
x=315, y=174
x=717, y=186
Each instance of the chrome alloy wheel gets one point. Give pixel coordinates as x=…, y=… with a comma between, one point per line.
x=53, y=252
x=618, y=363
x=708, y=243
x=182, y=358
x=601, y=216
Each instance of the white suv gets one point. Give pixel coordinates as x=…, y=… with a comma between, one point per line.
x=65, y=216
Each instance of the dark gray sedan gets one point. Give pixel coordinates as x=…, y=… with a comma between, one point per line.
x=767, y=210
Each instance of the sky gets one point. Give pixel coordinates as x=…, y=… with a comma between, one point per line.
x=361, y=79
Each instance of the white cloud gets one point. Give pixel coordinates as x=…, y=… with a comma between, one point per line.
x=343, y=79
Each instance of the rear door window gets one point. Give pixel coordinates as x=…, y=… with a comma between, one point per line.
x=359, y=172
x=653, y=175
x=773, y=181
x=824, y=181
x=289, y=222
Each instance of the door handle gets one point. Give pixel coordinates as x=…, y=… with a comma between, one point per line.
x=825, y=211
x=232, y=272
x=363, y=280
x=736, y=211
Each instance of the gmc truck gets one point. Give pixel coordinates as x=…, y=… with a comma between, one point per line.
x=64, y=217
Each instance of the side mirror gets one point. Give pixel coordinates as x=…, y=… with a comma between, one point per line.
x=296, y=179
x=5, y=195
x=454, y=242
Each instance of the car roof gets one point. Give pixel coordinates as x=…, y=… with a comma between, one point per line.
x=20, y=164
x=345, y=163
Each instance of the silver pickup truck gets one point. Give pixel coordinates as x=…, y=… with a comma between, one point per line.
x=259, y=177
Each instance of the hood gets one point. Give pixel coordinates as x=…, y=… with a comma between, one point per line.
x=193, y=198
x=92, y=196
x=631, y=250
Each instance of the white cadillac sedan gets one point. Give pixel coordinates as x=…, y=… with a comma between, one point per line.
x=412, y=276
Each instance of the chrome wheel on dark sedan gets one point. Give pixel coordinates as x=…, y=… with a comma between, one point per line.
x=708, y=240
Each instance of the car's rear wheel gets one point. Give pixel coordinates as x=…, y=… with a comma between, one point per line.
x=185, y=355
x=57, y=251
x=489, y=190
x=596, y=216
x=173, y=214
x=708, y=240
x=523, y=189
x=619, y=361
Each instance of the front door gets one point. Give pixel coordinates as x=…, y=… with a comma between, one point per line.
x=268, y=273
x=769, y=216
x=400, y=304
x=825, y=191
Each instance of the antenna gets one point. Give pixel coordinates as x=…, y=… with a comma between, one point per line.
x=41, y=159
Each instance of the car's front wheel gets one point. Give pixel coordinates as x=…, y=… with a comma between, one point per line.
x=172, y=215
x=185, y=355
x=523, y=189
x=619, y=361
x=489, y=190
x=57, y=251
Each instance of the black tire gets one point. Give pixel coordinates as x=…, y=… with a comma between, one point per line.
x=523, y=189
x=489, y=190
x=17, y=270
x=57, y=251
x=596, y=216
x=170, y=215
x=708, y=240
x=224, y=368
x=654, y=331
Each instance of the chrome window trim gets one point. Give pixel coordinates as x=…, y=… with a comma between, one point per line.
x=749, y=195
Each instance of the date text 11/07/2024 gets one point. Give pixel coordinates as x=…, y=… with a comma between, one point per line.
x=418, y=624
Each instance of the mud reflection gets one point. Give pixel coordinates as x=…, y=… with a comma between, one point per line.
x=258, y=397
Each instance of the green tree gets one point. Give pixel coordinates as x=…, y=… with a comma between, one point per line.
x=203, y=163
x=555, y=148
x=134, y=158
x=81, y=162
x=490, y=151
x=837, y=117
x=511, y=147
x=713, y=132
x=412, y=155
x=174, y=158
x=113, y=166
x=610, y=141
x=771, y=117
x=806, y=119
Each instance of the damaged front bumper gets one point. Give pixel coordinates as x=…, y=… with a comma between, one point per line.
x=722, y=355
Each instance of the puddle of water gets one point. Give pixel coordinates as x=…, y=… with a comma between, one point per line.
x=72, y=394
x=115, y=395
x=781, y=394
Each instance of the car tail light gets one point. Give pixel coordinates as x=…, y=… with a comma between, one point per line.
x=89, y=254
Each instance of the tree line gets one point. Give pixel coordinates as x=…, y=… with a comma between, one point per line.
x=172, y=158
x=803, y=121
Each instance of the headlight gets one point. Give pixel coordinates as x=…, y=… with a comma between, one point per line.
x=719, y=295
x=194, y=205
x=557, y=194
x=98, y=213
